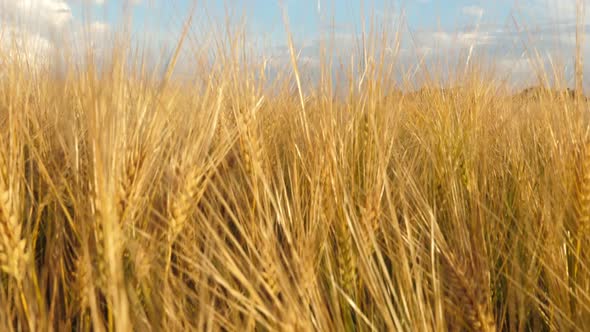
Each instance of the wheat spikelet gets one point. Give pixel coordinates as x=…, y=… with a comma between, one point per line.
x=370, y=220
x=250, y=147
x=466, y=176
x=347, y=270
x=109, y=244
x=307, y=269
x=82, y=280
x=137, y=265
x=101, y=275
x=269, y=272
x=246, y=158
x=582, y=215
x=127, y=199
x=250, y=141
x=582, y=202
x=13, y=255
x=225, y=124
x=141, y=260
x=243, y=121
x=326, y=191
x=366, y=132
x=193, y=189
x=82, y=166
x=471, y=298
x=257, y=152
x=346, y=259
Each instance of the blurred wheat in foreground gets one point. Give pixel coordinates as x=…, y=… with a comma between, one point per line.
x=131, y=203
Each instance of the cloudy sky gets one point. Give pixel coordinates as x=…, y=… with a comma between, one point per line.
x=512, y=33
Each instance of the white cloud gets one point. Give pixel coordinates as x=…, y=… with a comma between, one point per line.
x=54, y=13
x=555, y=10
x=516, y=66
x=102, y=2
x=99, y=27
x=443, y=40
x=472, y=11
x=27, y=25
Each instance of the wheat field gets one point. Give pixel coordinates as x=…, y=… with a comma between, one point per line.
x=133, y=201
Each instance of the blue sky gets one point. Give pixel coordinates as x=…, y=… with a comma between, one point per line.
x=431, y=29
x=308, y=18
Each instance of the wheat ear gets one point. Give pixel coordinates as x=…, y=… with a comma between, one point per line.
x=346, y=260
x=13, y=255
x=99, y=240
x=269, y=271
x=82, y=280
x=370, y=220
x=472, y=300
x=127, y=199
x=582, y=202
x=195, y=185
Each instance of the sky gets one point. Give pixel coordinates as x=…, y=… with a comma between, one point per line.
x=518, y=35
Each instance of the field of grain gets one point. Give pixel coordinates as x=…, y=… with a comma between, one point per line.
x=136, y=201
